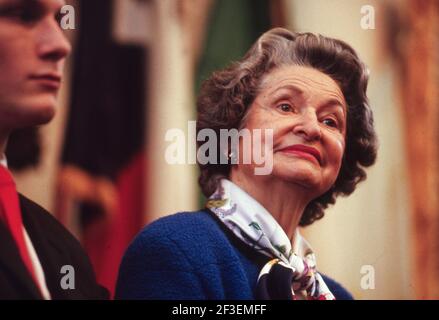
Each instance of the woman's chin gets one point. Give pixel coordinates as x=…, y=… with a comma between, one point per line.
x=306, y=176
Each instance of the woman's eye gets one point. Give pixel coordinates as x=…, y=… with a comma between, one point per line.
x=285, y=107
x=330, y=122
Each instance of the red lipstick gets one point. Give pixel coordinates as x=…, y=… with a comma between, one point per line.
x=305, y=152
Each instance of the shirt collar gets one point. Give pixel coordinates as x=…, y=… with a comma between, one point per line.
x=3, y=160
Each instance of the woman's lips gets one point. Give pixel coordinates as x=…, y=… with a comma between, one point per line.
x=303, y=151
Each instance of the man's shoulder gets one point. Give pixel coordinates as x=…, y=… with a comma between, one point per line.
x=54, y=243
x=36, y=216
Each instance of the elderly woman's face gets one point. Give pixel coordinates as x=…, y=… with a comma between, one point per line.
x=307, y=112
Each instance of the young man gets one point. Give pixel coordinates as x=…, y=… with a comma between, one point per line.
x=39, y=259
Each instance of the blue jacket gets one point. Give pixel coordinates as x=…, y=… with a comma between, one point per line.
x=193, y=255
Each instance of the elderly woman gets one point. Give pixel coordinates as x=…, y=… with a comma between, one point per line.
x=310, y=91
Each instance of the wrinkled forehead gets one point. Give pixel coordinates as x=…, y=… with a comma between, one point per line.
x=303, y=79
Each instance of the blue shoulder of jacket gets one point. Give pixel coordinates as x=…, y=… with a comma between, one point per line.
x=194, y=235
x=339, y=292
x=184, y=219
x=183, y=227
x=190, y=240
x=163, y=260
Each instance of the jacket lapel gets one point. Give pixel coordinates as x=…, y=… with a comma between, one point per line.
x=50, y=254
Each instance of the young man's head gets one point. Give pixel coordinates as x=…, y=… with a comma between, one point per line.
x=33, y=49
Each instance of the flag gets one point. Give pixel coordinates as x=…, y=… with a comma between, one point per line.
x=101, y=191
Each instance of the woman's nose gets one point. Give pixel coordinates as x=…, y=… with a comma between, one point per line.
x=53, y=44
x=308, y=126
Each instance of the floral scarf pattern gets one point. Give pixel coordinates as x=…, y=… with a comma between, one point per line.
x=254, y=225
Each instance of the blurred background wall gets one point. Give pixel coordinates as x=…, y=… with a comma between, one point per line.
x=135, y=74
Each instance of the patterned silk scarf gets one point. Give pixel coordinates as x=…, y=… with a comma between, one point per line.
x=291, y=274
